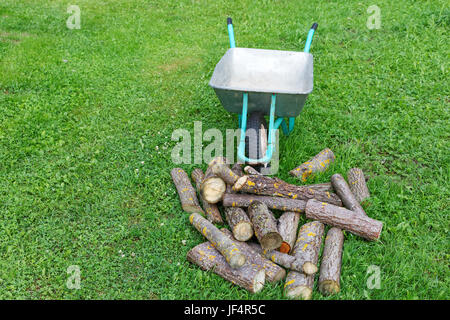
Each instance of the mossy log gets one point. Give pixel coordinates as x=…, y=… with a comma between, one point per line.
x=211, y=210
x=343, y=191
x=274, y=273
x=186, y=191
x=330, y=266
x=318, y=163
x=306, y=250
x=239, y=223
x=343, y=218
x=283, y=259
x=299, y=285
x=213, y=187
x=250, y=276
x=287, y=227
x=264, y=225
x=307, y=246
x=263, y=185
x=223, y=171
x=223, y=244
x=283, y=204
x=357, y=183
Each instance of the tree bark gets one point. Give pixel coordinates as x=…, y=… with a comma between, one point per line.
x=213, y=187
x=306, y=249
x=346, y=195
x=263, y=185
x=211, y=210
x=357, y=183
x=237, y=169
x=283, y=204
x=330, y=267
x=264, y=225
x=186, y=192
x=250, y=276
x=223, y=244
x=239, y=223
x=324, y=187
x=287, y=227
x=274, y=273
x=318, y=163
x=345, y=219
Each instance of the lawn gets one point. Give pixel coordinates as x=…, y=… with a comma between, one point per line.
x=87, y=115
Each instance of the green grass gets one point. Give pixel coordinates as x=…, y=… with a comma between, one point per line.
x=85, y=144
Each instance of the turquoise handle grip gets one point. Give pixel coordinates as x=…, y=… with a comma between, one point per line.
x=231, y=33
x=310, y=36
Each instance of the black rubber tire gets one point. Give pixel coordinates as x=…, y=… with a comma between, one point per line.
x=256, y=121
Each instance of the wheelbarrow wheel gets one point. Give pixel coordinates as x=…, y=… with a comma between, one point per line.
x=256, y=138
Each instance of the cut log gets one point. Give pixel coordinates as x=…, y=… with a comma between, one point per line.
x=330, y=267
x=275, y=256
x=263, y=185
x=238, y=220
x=274, y=273
x=318, y=163
x=250, y=276
x=299, y=285
x=211, y=210
x=222, y=243
x=307, y=248
x=186, y=192
x=346, y=195
x=239, y=223
x=251, y=171
x=223, y=171
x=357, y=183
x=283, y=259
x=287, y=227
x=264, y=225
x=343, y=218
x=283, y=204
x=324, y=187
x=213, y=187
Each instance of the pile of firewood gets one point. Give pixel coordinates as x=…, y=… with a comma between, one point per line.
x=248, y=198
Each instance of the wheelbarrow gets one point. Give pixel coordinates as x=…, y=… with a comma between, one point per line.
x=258, y=82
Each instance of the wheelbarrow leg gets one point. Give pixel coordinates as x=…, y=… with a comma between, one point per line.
x=282, y=122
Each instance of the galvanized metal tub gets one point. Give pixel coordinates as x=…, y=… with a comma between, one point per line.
x=260, y=73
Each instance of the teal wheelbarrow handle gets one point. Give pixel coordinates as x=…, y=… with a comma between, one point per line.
x=310, y=36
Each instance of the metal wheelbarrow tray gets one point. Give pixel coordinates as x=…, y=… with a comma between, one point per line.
x=261, y=73
x=253, y=81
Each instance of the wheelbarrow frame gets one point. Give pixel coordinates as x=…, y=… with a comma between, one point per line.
x=273, y=124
